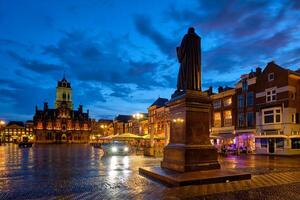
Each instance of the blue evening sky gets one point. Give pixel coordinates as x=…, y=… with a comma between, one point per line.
x=119, y=55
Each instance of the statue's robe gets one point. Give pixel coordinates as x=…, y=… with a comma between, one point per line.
x=189, y=57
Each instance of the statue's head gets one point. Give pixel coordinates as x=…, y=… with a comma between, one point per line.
x=191, y=30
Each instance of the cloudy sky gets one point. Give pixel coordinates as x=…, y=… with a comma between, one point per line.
x=120, y=55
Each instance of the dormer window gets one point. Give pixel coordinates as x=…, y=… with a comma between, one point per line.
x=270, y=76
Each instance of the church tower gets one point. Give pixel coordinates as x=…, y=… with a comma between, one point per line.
x=63, y=93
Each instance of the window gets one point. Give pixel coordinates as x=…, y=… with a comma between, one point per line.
x=64, y=96
x=227, y=101
x=263, y=142
x=271, y=116
x=271, y=95
x=270, y=76
x=295, y=143
x=244, y=85
x=250, y=119
x=217, y=119
x=241, y=120
x=217, y=104
x=250, y=99
x=227, y=118
x=294, y=118
x=49, y=136
x=240, y=101
x=279, y=142
x=293, y=95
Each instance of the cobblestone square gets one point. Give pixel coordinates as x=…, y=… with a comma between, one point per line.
x=79, y=172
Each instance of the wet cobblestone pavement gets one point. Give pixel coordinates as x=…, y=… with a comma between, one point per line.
x=79, y=172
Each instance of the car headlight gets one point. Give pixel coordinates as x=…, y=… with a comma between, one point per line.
x=114, y=149
x=126, y=149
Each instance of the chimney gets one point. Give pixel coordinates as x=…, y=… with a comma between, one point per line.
x=258, y=71
x=45, y=106
x=80, y=108
x=210, y=90
x=220, y=89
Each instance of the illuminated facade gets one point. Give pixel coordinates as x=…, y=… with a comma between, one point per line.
x=223, y=117
x=261, y=114
x=159, y=120
x=13, y=132
x=101, y=128
x=62, y=124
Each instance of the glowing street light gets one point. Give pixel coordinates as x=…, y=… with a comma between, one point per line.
x=138, y=116
x=2, y=122
x=103, y=126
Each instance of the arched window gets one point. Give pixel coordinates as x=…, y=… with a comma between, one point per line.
x=68, y=96
x=64, y=96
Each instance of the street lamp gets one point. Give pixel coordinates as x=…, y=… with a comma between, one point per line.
x=2, y=125
x=138, y=116
x=2, y=122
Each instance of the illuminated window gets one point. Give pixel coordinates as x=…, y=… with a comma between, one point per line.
x=227, y=118
x=227, y=101
x=217, y=119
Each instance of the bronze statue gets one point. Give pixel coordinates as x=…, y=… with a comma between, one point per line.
x=189, y=57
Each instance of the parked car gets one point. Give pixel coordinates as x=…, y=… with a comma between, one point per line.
x=115, y=148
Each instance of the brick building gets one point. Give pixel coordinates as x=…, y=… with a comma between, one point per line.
x=277, y=111
x=223, y=117
x=159, y=119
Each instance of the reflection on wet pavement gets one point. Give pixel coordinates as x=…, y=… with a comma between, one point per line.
x=58, y=170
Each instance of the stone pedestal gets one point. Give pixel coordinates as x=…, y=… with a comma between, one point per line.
x=190, y=158
x=190, y=148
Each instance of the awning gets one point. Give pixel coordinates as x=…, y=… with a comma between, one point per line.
x=156, y=137
x=226, y=135
x=125, y=136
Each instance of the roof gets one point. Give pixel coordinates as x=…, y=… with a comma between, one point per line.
x=123, y=118
x=105, y=120
x=272, y=63
x=54, y=113
x=160, y=102
x=64, y=83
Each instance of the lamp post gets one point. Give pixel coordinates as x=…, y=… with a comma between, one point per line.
x=2, y=125
x=138, y=117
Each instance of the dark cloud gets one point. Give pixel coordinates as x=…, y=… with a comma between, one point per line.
x=35, y=65
x=90, y=60
x=165, y=44
x=23, y=97
x=120, y=91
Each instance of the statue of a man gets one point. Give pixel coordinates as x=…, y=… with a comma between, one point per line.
x=189, y=57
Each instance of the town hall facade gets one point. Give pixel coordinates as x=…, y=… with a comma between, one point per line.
x=62, y=124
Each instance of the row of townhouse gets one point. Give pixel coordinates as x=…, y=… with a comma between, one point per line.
x=260, y=114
